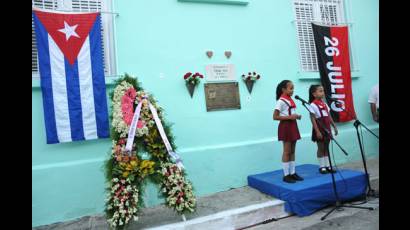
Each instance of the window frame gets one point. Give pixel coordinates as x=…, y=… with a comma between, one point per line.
x=342, y=15
x=107, y=23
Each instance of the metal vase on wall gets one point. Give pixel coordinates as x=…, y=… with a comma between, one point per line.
x=249, y=85
x=191, y=88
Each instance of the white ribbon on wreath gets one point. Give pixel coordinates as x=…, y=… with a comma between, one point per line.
x=133, y=127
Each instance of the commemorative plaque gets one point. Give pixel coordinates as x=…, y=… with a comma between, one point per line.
x=222, y=96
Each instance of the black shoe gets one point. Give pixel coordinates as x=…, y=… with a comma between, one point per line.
x=329, y=170
x=289, y=179
x=323, y=170
x=296, y=177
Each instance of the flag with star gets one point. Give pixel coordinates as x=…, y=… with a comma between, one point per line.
x=71, y=75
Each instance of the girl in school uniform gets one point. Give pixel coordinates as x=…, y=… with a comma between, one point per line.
x=288, y=131
x=321, y=121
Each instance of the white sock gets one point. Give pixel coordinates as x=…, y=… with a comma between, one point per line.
x=292, y=167
x=321, y=162
x=326, y=158
x=285, y=168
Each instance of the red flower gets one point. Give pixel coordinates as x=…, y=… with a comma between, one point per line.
x=187, y=75
x=257, y=77
x=201, y=76
x=249, y=73
x=121, y=141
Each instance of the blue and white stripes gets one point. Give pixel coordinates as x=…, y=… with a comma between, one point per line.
x=74, y=96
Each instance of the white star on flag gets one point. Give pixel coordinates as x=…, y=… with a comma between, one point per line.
x=69, y=31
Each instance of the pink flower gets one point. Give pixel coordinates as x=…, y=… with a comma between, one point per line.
x=132, y=93
x=127, y=102
x=140, y=124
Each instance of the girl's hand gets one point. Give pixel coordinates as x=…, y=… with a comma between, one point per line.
x=319, y=135
x=293, y=117
x=336, y=132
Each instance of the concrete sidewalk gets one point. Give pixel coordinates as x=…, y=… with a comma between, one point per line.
x=243, y=207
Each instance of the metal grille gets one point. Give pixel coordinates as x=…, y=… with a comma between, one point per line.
x=328, y=12
x=77, y=6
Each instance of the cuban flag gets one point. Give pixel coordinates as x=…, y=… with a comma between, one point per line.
x=72, y=75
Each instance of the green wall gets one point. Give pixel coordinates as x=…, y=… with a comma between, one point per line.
x=159, y=41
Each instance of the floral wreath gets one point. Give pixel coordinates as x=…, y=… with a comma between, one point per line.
x=126, y=172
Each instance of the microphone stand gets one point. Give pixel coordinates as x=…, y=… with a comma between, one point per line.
x=338, y=203
x=371, y=192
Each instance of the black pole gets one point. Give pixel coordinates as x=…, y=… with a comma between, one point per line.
x=370, y=192
x=357, y=123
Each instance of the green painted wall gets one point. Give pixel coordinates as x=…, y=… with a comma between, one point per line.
x=159, y=41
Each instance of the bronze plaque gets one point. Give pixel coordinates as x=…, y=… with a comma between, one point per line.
x=222, y=96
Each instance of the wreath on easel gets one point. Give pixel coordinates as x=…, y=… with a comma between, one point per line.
x=128, y=169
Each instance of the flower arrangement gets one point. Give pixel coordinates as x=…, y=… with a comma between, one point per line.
x=251, y=76
x=179, y=193
x=192, y=80
x=250, y=79
x=123, y=198
x=127, y=171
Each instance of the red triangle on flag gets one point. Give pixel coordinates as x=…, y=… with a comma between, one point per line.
x=69, y=31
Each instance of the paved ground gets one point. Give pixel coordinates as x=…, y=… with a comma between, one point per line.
x=240, y=197
x=346, y=219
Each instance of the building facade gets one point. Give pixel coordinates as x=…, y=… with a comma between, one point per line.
x=158, y=42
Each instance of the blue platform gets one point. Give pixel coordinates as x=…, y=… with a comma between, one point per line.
x=315, y=192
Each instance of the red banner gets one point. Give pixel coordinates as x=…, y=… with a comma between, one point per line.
x=332, y=49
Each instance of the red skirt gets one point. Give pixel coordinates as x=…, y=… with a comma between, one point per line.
x=288, y=131
x=325, y=121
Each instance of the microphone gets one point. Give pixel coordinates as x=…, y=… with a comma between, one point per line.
x=300, y=99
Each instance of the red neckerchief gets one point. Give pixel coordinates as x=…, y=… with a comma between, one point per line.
x=320, y=104
x=292, y=103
